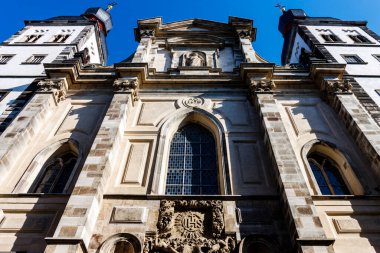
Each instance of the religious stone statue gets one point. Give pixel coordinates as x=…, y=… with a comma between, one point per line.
x=194, y=59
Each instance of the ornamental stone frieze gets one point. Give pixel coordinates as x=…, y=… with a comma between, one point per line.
x=190, y=226
x=55, y=86
x=127, y=85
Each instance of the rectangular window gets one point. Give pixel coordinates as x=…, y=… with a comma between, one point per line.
x=331, y=38
x=3, y=93
x=35, y=59
x=359, y=39
x=59, y=38
x=31, y=38
x=4, y=59
x=353, y=59
x=378, y=92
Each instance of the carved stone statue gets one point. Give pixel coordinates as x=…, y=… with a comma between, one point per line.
x=195, y=59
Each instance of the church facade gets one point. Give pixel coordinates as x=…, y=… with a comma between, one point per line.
x=193, y=144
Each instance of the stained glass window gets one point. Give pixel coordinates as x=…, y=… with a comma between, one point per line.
x=327, y=175
x=57, y=174
x=192, y=166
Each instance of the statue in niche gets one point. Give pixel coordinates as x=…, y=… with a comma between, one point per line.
x=194, y=59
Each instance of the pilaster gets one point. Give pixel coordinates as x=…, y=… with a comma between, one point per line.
x=76, y=226
x=303, y=220
x=21, y=131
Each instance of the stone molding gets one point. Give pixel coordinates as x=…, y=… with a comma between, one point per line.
x=55, y=86
x=188, y=225
x=244, y=33
x=127, y=85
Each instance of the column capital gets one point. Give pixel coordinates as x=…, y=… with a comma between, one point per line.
x=129, y=85
x=331, y=88
x=57, y=87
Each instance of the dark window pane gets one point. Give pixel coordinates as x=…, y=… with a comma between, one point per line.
x=323, y=186
x=191, y=151
x=335, y=179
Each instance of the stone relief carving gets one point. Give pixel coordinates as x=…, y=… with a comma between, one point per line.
x=244, y=34
x=194, y=59
x=129, y=85
x=147, y=33
x=333, y=87
x=197, y=102
x=190, y=226
x=256, y=86
x=56, y=86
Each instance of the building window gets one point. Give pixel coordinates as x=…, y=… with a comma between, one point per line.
x=331, y=38
x=56, y=173
x=35, y=59
x=353, y=59
x=359, y=39
x=327, y=175
x=59, y=38
x=4, y=59
x=31, y=38
x=192, y=167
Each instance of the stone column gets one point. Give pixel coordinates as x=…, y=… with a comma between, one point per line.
x=16, y=138
x=246, y=45
x=76, y=226
x=303, y=221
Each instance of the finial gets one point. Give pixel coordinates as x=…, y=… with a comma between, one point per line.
x=281, y=7
x=110, y=6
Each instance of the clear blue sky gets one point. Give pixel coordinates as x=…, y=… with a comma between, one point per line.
x=121, y=40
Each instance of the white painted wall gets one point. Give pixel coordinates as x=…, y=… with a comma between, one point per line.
x=91, y=44
x=48, y=32
x=17, y=85
x=342, y=32
x=370, y=85
x=299, y=43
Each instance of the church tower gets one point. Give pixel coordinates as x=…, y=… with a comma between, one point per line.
x=23, y=55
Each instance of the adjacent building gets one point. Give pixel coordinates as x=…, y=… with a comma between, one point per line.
x=193, y=144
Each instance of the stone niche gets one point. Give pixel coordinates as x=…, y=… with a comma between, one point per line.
x=190, y=226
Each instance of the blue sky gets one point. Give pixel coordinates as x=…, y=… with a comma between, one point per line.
x=121, y=39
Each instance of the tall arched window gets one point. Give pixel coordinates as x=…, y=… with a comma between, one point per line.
x=56, y=173
x=327, y=175
x=192, y=167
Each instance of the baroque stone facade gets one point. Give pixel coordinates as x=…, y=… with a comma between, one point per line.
x=195, y=144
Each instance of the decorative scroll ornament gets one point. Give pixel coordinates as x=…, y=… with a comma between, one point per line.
x=184, y=227
x=129, y=85
x=261, y=86
x=55, y=86
x=194, y=102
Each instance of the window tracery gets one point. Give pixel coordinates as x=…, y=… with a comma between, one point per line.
x=327, y=175
x=192, y=167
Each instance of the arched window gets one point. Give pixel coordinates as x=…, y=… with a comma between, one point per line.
x=56, y=173
x=192, y=167
x=327, y=175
